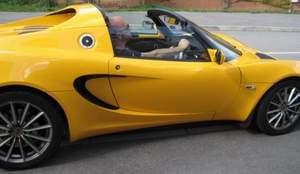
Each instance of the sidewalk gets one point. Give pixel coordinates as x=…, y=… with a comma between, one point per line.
x=211, y=20
x=11, y=16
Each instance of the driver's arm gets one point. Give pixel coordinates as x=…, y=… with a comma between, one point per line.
x=159, y=53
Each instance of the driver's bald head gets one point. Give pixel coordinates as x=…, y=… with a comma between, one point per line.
x=118, y=22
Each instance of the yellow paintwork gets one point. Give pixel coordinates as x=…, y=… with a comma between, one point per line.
x=153, y=93
x=152, y=36
x=212, y=54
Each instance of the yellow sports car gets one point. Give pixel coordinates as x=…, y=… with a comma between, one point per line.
x=80, y=72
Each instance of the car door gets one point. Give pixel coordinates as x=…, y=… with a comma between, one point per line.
x=173, y=87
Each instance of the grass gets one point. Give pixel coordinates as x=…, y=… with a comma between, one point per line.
x=149, y=6
x=37, y=7
x=141, y=8
x=276, y=3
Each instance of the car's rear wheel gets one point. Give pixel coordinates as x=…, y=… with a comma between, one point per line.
x=30, y=129
x=279, y=110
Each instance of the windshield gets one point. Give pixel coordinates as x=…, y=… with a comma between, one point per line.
x=229, y=50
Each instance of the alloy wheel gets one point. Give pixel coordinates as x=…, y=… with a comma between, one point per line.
x=284, y=108
x=25, y=131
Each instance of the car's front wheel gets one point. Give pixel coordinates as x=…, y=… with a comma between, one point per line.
x=30, y=129
x=279, y=110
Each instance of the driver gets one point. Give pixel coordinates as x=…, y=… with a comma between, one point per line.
x=121, y=35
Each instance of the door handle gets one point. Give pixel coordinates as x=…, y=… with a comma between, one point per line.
x=117, y=67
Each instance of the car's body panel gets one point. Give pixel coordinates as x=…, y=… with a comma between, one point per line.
x=87, y=119
x=46, y=59
x=153, y=86
x=140, y=92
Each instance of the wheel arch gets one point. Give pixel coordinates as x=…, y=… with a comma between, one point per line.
x=9, y=88
x=252, y=116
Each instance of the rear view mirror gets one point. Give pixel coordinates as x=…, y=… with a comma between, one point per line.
x=170, y=20
x=216, y=56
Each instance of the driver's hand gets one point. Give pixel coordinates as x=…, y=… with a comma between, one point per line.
x=159, y=53
x=183, y=44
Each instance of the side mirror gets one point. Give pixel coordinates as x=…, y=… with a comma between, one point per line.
x=216, y=56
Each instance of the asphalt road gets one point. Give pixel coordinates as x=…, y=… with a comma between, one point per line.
x=225, y=149
x=213, y=149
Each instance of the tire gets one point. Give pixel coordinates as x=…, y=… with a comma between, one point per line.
x=278, y=112
x=36, y=129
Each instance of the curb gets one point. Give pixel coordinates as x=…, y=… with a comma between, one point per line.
x=251, y=28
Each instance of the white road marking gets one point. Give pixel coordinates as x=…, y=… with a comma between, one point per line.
x=274, y=53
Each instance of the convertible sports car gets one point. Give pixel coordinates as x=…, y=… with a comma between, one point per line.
x=64, y=77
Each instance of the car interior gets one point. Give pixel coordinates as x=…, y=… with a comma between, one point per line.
x=162, y=31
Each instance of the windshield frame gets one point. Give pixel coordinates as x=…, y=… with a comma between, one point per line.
x=212, y=41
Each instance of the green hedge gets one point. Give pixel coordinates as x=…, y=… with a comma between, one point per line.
x=276, y=3
x=28, y=5
x=45, y=3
